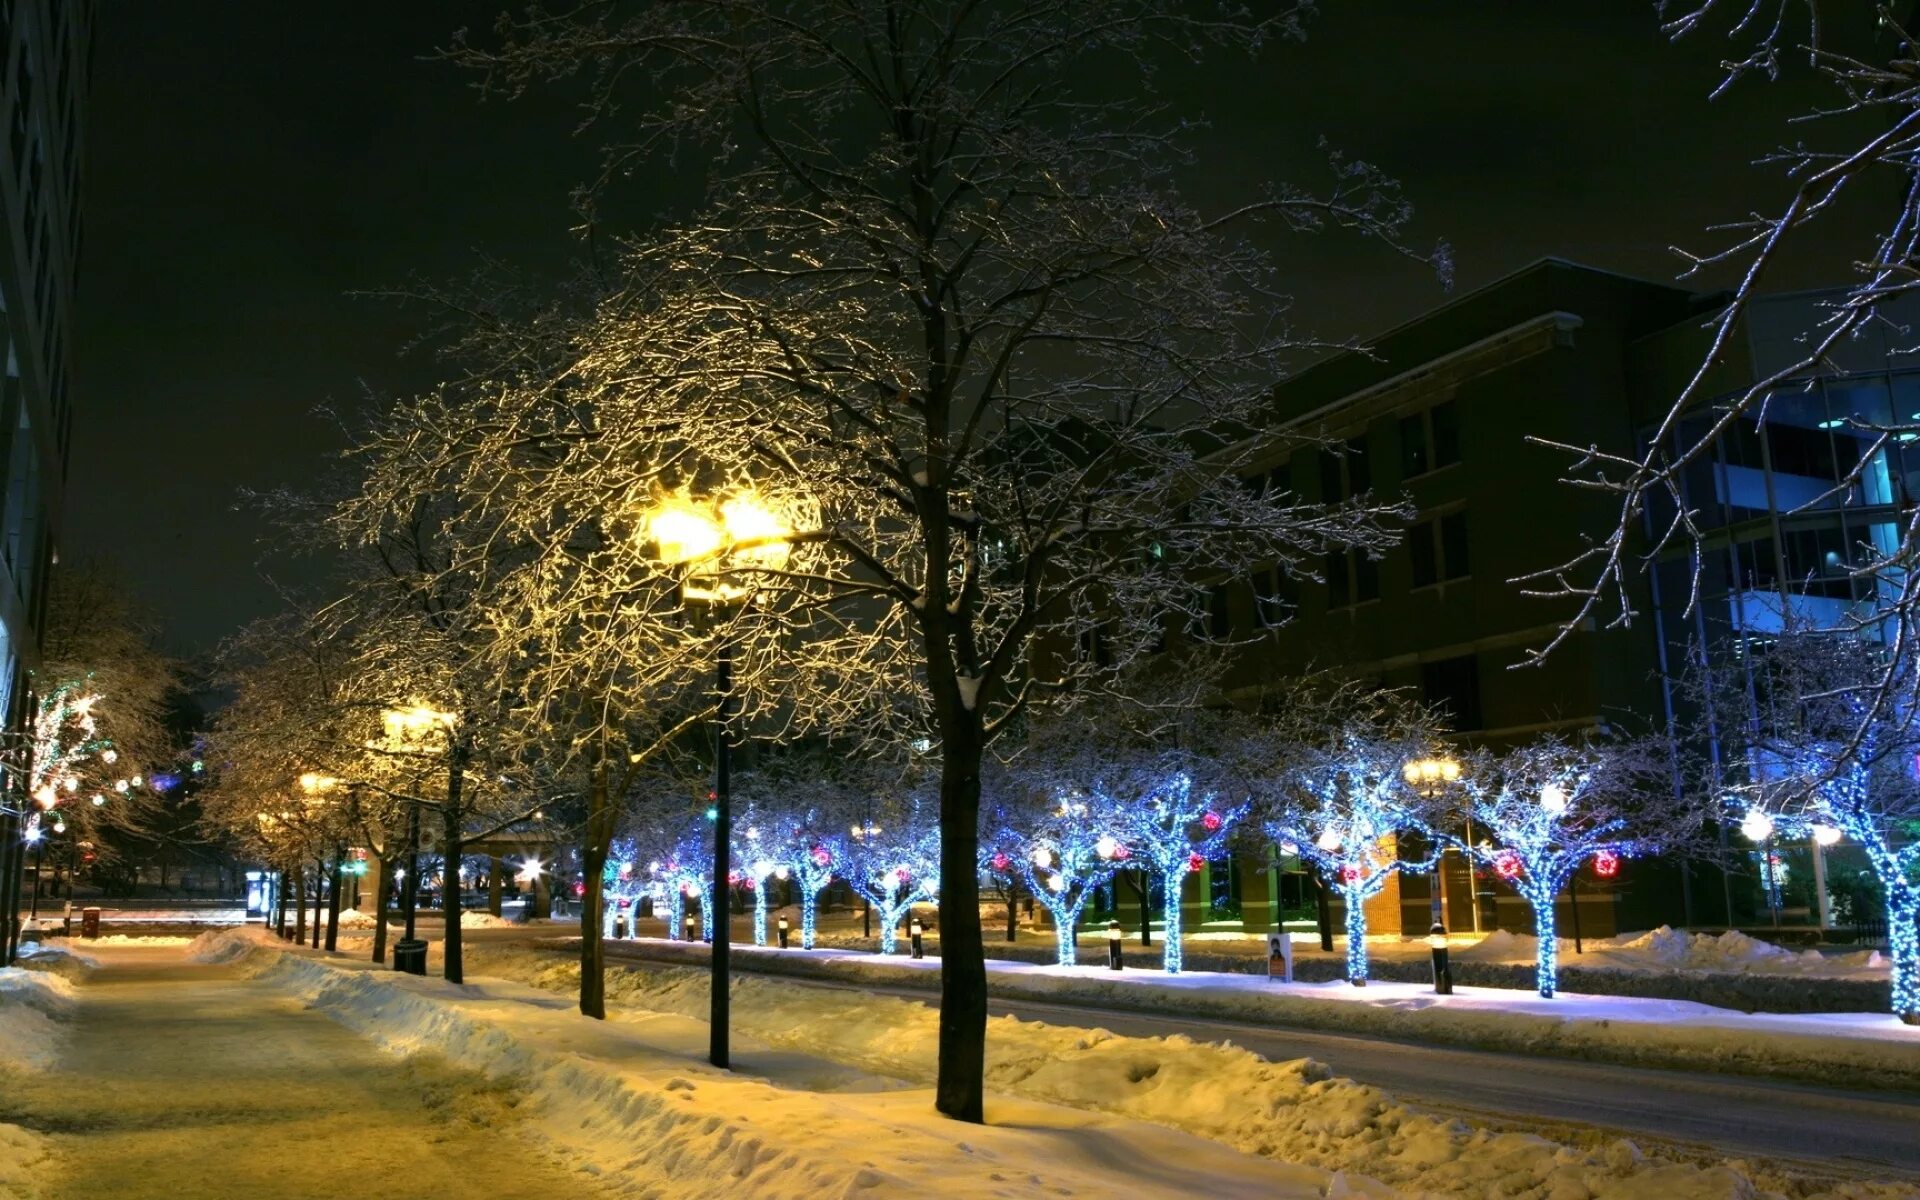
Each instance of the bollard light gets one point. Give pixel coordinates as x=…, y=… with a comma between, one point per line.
x=690, y=927
x=914, y=930
x=783, y=933
x=1442, y=971
x=1114, y=944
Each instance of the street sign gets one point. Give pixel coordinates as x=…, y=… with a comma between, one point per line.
x=1279, y=955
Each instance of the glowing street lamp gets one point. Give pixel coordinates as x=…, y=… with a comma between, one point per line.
x=1431, y=777
x=718, y=545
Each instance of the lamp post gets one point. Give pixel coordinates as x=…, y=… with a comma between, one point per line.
x=712, y=541
x=1431, y=777
x=404, y=725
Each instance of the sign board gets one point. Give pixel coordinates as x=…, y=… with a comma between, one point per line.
x=1280, y=955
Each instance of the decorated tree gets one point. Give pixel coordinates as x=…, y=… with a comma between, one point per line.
x=892, y=861
x=801, y=806
x=1831, y=754
x=1549, y=808
x=965, y=333
x=1177, y=827
x=1341, y=807
x=1063, y=842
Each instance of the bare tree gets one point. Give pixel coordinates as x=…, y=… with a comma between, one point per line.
x=944, y=308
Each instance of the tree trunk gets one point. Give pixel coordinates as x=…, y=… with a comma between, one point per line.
x=319, y=897
x=299, y=894
x=1013, y=911
x=593, y=903
x=1323, y=913
x=1547, y=966
x=960, y=1090
x=1170, y=949
x=382, y=896
x=1356, y=937
x=450, y=845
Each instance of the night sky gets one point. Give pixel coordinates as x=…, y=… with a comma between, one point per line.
x=250, y=166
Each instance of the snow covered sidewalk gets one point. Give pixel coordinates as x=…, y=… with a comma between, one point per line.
x=635, y=1105
x=1866, y=1049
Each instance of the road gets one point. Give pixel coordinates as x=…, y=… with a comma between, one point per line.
x=185, y=1080
x=1711, y=1116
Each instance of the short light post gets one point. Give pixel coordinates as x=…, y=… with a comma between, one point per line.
x=690, y=928
x=914, y=932
x=784, y=930
x=1114, y=943
x=1431, y=777
x=1442, y=968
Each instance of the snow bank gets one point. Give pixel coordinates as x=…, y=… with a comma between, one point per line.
x=33, y=1007
x=1870, y=1049
x=24, y=1162
x=1295, y=1112
x=637, y=1107
x=486, y=920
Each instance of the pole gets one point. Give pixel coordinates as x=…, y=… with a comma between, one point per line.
x=73, y=873
x=1823, y=904
x=39, y=859
x=722, y=864
x=10, y=853
x=410, y=884
x=1473, y=880
x=333, y=899
x=1573, y=899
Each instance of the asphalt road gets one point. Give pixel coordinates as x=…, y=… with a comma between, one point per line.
x=1817, y=1129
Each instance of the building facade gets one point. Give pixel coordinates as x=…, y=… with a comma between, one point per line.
x=1449, y=412
x=43, y=78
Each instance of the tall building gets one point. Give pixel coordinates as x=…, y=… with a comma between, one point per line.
x=43, y=77
x=1443, y=411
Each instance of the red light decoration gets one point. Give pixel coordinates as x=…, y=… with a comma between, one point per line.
x=1121, y=854
x=1000, y=860
x=1606, y=864
x=821, y=857
x=579, y=889
x=1195, y=862
x=902, y=874
x=1349, y=874
x=1211, y=822
x=1507, y=865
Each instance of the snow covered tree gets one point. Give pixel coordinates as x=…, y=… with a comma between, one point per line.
x=965, y=330
x=1550, y=807
x=1347, y=802
x=802, y=810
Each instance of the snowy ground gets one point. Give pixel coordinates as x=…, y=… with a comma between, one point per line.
x=189, y=1082
x=1867, y=1049
x=1074, y=1112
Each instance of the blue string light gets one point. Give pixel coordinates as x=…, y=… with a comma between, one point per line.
x=1177, y=831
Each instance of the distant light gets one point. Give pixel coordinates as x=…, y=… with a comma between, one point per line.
x=1826, y=835
x=1836, y=423
x=1757, y=826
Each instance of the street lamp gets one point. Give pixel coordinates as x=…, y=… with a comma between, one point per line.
x=1431, y=777
x=714, y=543
x=403, y=725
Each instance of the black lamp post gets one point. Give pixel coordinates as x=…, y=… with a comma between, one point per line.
x=1431, y=777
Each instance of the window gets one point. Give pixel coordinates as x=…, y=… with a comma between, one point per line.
x=1345, y=474
x=1429, y=440
x=1438, y=549
x=1271, y=483
x=1352, y=578
x=1453, y=685
x=1096, y=646
x=1219, y=614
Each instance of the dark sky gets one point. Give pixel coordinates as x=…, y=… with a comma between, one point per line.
x=251, y=165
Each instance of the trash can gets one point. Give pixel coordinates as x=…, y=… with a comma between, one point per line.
x=410, y=955
x=90, y=922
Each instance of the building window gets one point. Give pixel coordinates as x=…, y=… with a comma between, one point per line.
x=1219, y=613
x=1352, y=578
x=1453, y=685
x=1096, y=645
x=1270, y=484
x=1345, y=474
x=1429, y=440
x=1438, y=549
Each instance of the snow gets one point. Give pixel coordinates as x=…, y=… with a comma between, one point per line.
x=32, y=1006
x=485, y=920
x=1074, y=1111
x=1870, y=1048
x=634, y=1105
